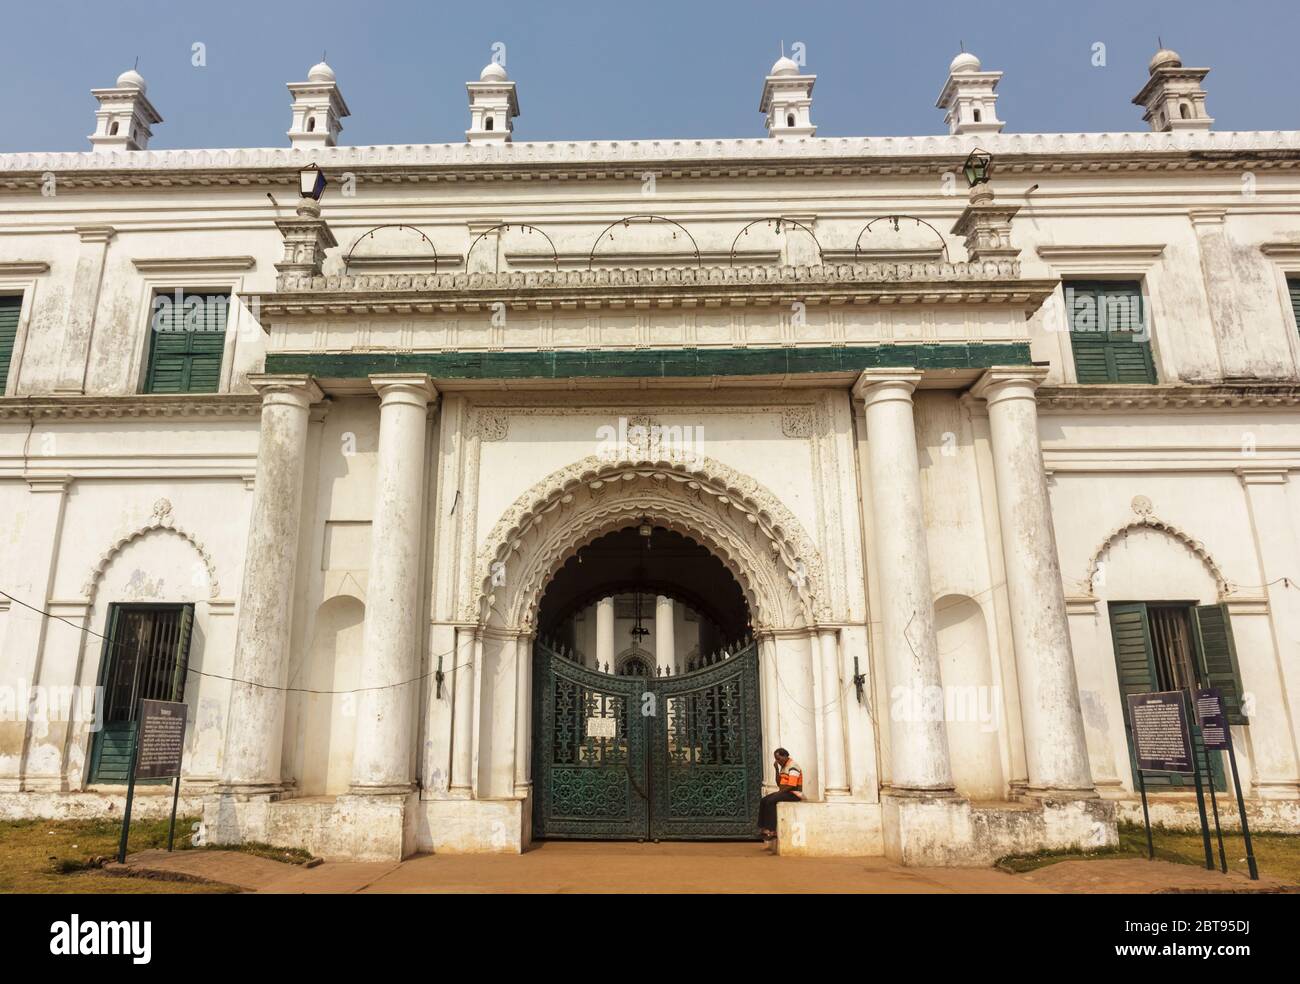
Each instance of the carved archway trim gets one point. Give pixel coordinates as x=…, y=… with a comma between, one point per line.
x=1149, y=522
x=161, y=519
x=731, y=514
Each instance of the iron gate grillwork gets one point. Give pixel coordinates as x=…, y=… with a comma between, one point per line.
x=631, y=758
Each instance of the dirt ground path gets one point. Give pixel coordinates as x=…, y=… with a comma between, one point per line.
x=573, y=867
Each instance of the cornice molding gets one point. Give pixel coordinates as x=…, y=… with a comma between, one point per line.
x=1102, y=251
x=1167, y=396
x=193, y=264
x=136, y=405
x=23, y=268
x=628, y=159
x=1281, y=251
x=993, y=282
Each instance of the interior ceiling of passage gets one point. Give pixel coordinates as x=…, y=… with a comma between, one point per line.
x=671, y=565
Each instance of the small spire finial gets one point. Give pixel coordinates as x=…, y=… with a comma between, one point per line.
x=1159, y=42
x=962, y=46
x=137, y=63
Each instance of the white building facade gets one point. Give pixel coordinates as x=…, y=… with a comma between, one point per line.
x=522, y=490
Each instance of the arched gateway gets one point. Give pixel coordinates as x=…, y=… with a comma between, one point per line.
x=661, y=740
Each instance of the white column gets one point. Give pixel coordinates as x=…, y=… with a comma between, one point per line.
x=1056, y=751
x=918, y=744
x=835, y=770
x=385, y=736
x=462, y=715
x=523, y=715
x=665, y=629
x=605, y=634
x=255, y=725
x=767, y=652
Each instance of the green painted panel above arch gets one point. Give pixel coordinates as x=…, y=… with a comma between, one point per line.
x=650, y=363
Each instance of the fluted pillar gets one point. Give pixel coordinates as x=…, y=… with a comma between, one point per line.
x=1056, y=751
x=605, y=634
x=918, y=743
x=665, y=641
x=385, y=735
x=462, y=714
x=835, y=770
x=523, y=715
x=255, y=726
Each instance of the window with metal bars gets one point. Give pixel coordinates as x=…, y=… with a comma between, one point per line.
x=1108, y=332
x=146, y=657
x=187, y=336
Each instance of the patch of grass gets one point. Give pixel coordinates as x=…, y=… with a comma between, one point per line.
x=43, y=856
x=289, y=855
x=1275, y=854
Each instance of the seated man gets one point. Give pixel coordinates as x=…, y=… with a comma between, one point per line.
x=789, y=782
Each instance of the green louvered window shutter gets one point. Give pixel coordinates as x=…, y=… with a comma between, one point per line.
x=1130, y=631
x=1217, y=654
x=1293, y=285
x=1107, y=333
x=10, y=308
x=188, y=340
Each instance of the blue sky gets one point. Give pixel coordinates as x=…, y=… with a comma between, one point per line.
x=620, y=70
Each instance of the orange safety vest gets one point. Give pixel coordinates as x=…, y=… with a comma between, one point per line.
x=790, y=777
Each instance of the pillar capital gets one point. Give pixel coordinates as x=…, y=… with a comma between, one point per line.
x=404, y=387
x=876, y=385
x=286, y=389
x=1009, y=383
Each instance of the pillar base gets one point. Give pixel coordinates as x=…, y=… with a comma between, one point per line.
x=351, y=828
x=396, y=789
x=949, y=831
x=477, y=826
x=836, y=829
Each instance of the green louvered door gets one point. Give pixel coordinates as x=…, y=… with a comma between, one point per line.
x=188, y=339
x=10, y=307
x=1108, y=333
x=1141, y=670
x=646, y=757
x=1293, y=285
x=146, y=657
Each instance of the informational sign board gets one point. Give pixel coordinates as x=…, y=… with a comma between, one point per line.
x=1212, y=719
x=1160, y=735
x=162, y=738
x=602, y=727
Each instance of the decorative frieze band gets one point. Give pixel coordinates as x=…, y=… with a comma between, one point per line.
x=1170, y=396
x=138, y=405
x=628, y=159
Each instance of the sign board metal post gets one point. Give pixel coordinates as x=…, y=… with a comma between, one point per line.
x=1212, y=724
x=1146, y=817
x=156, y=754
x=1162, y=742
x=1200, y=797
x=1241, y=809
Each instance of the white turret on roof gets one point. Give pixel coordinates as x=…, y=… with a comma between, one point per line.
x=969, y=97
x=787, y=100
x=493, y=106
x=318, y=109
x=125, y=117
x=1173, y=97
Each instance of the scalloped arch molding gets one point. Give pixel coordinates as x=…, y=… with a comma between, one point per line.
x=1148, y=522
x=160, y=520
x=731, y=514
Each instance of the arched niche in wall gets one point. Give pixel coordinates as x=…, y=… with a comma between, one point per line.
x=328, y=700
x=973, y=701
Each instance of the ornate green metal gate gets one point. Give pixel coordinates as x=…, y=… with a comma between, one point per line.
x=633, y=758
